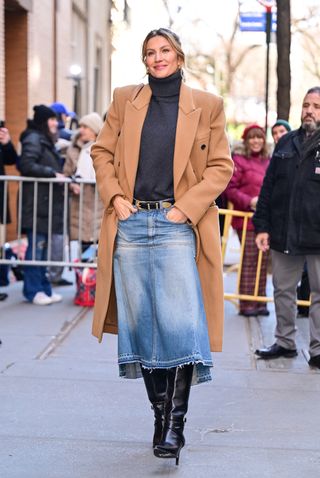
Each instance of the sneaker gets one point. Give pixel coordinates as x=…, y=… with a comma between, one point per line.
x=41, y=299
x=55, y=298
x=3, y=296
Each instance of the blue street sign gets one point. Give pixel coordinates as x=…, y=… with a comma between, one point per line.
x=256, y=22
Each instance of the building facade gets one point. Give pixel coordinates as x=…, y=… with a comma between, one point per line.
x=52, y=50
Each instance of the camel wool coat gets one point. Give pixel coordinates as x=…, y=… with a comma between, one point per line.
x=202, y=168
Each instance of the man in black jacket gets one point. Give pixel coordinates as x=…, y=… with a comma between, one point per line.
x=8, y=156
x=287, y=220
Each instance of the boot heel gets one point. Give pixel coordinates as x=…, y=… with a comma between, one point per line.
x=167, y=453
x=178, y=456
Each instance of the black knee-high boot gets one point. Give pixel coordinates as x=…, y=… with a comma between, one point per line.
x=156, y=385
x=172, y=438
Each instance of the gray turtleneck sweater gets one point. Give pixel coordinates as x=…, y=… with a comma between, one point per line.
x=154, y=180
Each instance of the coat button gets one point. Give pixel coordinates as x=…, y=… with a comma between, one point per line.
x=203, y=146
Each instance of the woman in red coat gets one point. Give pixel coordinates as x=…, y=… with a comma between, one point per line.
x=251, y=161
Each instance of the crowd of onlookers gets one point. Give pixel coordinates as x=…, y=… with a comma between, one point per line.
x=282, y=191
x=50, y=149
x=251, y=159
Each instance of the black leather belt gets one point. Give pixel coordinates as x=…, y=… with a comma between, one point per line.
x=165, y=204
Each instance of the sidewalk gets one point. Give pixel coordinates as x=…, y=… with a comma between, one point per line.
x=65, y=413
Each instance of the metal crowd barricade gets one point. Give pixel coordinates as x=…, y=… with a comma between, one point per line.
x=233, y=296
x=77, y=261
x=64, y=182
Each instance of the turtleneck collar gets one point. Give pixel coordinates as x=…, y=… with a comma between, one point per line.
x=169, y=86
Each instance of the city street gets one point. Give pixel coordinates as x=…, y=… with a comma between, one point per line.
x=185, y=113
x=65, y=413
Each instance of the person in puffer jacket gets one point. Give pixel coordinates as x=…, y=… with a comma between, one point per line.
x=251, y=160
x=40, y=159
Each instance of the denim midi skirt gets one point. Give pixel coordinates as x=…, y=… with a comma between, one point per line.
x=161, y=316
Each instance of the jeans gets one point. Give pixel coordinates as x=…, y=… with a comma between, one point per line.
x=161, y=316
x=35, y=277
x=57, y=246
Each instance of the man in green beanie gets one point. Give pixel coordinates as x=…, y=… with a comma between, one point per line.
x=280, y=128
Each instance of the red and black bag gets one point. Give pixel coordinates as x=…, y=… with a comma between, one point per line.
x=86, y=286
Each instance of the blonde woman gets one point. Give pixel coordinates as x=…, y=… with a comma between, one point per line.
x=161, y=159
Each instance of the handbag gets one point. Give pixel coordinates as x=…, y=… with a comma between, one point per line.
x=86, y=279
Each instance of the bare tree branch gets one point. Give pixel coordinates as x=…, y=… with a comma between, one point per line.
x=308, y=28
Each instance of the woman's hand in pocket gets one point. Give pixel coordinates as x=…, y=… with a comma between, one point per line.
x=123, y=208
x=177, y=216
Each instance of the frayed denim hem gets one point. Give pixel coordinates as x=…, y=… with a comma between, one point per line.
x=201, y=371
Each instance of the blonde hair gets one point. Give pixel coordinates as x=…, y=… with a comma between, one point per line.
x=169, y=35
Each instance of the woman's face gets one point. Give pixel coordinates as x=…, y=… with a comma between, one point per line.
x=87, y=134
x=161, y=59
x=255, y=144
x=53, y=125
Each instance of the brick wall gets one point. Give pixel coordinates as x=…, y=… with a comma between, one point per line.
x=2, y=66
x=16, y=67
x=29, y=74
x=16, y=90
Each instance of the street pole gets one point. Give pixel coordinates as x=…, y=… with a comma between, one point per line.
x=268, y=37
x=268, y=4
x=76, y=95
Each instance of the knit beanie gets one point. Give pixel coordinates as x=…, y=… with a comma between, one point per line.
x=93, y=121
x=42, y=113
x=281, y=122
x=249, y=128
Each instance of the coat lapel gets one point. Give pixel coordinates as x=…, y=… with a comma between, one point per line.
x=135, y=114
x=187, y=123
x=188, y=119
